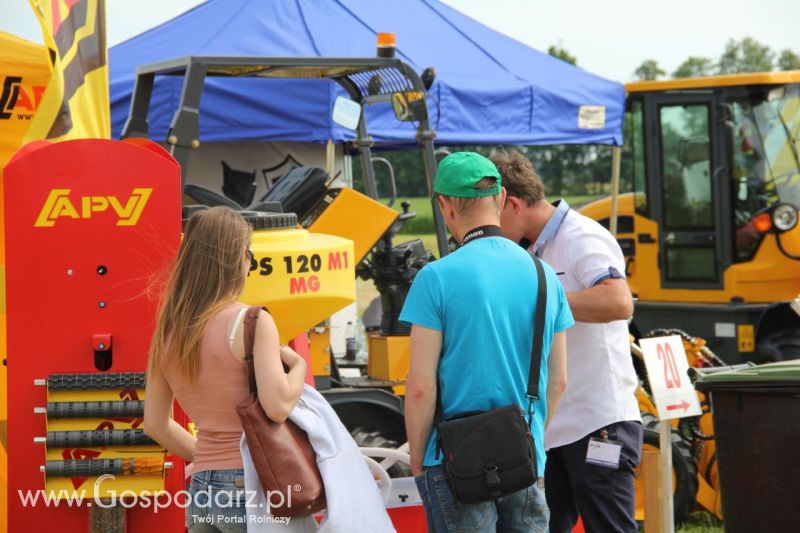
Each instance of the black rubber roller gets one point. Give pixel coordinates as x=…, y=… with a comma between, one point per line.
x=88, y=467
x=83, y=439
x=105, y=381
x=259, y=220
x=122, y=409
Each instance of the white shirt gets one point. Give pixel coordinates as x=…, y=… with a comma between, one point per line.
x=601, y=381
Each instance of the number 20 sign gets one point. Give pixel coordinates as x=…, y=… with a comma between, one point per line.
x=667, y=371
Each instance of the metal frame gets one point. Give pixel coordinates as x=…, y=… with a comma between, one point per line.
x=355, y=75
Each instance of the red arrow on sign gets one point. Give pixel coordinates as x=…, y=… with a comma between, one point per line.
x=683, y=405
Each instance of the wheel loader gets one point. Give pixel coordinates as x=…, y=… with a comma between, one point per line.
x=710, y=232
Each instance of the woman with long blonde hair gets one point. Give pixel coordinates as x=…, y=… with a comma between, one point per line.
x=196, y=356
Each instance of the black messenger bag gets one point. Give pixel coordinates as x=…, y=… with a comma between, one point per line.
x=490, y=454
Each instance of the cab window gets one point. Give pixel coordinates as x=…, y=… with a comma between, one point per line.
x=633, y=163
x=686, y=167
x=687, y=192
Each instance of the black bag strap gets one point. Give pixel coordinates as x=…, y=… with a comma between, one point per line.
x=538, y=332
x=536, y=351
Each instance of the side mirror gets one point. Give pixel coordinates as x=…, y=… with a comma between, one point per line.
x=346, y=113
x=408, y=106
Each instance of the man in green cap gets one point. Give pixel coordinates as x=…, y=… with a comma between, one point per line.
x=472, y=314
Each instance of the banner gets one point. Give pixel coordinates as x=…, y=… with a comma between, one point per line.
x=24, y=74
x=76, y=103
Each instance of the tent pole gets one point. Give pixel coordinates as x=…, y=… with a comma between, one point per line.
x=347, y=161
x=330, y=158
x=616, y=157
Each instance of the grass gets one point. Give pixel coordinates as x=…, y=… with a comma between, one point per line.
x=701, y=522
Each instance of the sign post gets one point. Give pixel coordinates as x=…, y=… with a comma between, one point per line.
x=675, y=397
x=666, y=505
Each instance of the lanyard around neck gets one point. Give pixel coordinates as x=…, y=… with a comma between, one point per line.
x=482, y=232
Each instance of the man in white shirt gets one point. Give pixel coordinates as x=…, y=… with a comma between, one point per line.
x=594, y=441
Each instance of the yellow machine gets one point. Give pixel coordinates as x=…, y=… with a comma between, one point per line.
x=367, y=398
x=302, y=277
x=710, y=232
x=344, y=215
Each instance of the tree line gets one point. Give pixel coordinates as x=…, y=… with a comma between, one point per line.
x=745, y=55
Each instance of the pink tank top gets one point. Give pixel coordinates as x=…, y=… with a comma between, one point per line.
x=210, y=400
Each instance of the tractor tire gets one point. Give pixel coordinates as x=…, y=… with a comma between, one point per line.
x=684, y=469
x=781, y=345
x=367, y=438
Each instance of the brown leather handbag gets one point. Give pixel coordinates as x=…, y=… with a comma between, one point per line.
x=282, y=454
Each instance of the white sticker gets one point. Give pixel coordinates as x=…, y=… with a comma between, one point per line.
x=592, y=117
x=668, y=374
x=725, y=329
x=603, y=453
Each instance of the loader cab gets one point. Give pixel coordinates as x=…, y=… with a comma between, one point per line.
x=716, y=167
x=710, y=230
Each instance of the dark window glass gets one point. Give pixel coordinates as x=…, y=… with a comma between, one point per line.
x=689, y=263
x=633, y=164
x=686, y=167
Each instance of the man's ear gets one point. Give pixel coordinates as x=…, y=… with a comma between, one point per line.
x=515, y=203
x=444, y=205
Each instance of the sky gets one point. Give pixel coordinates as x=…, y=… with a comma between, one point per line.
x=609, y=38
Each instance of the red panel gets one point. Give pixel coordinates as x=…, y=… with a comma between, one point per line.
x=72, y=211
x=409, y=519
x=300, y=344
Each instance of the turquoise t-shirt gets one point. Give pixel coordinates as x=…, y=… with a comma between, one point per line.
x=482, y=297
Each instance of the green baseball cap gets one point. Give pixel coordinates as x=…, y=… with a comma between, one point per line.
x=459, y=172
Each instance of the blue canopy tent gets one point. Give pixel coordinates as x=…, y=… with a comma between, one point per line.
x=489, y=88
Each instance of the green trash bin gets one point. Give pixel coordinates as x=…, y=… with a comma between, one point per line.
x=756, y=415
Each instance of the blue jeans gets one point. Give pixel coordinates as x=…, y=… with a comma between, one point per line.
x=217, y=502
x=522, y=511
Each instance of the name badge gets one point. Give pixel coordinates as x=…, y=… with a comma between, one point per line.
x=603, y=453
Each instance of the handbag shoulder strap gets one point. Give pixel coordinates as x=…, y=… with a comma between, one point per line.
x=250, y=319
x=538, y=332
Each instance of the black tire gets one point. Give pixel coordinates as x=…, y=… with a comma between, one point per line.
x=683, y=466
x=368, y=438
x=781, y=345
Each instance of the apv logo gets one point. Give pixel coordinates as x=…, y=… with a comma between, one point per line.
x=58, y=205
x=14, y=98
